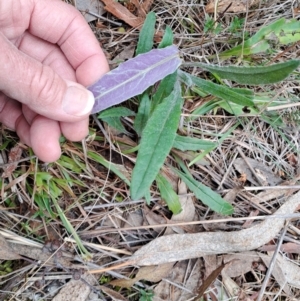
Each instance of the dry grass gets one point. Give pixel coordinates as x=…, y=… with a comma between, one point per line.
x=97, y=203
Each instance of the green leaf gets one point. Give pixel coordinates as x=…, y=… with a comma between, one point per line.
x=189, y=143
x=165, y=87
x=115, y=123
x=280, y=32
x=168, y=194
x=145, y=42
x=207, y=196
x=109, y=165
x=112, y=117
x=223, y=92
x=143, y=114
x=167, y=39
x=116, y=112
x=236, y=109
x=156, y=143
x=258, y=75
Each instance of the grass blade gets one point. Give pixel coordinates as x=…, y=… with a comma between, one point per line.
x=156, y=143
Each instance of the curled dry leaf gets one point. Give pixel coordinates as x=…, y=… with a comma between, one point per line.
x=152, y=273
x=14, y=156
x=185, y=246
x=289, y=247
x=263, y=172
x=122, y=13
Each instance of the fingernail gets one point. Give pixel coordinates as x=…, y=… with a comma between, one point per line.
x=78, y=101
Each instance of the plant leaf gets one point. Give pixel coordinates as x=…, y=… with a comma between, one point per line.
x=258, y=75
x=164, y=89
x=134, y=76
x=109, y=165
x=281, y=31
x=115, y=123
x=167, y=39
x=189, y=143
x=146, y=36
x=156, y=143
x=143, y=114
x=168, y=194
x=223, y=92
x=207, y=196
x=116, y=112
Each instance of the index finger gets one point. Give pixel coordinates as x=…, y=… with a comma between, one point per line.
x=61, y=24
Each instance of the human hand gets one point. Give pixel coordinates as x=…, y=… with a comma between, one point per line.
x=48, y=53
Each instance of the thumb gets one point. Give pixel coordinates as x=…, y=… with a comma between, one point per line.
x=40, y=88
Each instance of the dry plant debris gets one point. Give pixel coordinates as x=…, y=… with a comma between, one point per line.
x=123, y=235
x=238, y=6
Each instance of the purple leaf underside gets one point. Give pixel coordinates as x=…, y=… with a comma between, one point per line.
x=134, y=76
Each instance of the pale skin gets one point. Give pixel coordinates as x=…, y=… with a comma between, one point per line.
x=48, y=55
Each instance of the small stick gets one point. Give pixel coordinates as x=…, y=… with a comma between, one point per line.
x=102, y=18
x=272, y=263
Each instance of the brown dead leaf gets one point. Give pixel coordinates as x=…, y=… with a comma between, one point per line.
x=292, y=159
x=240, y=264
x=150, y=273
x=154, y=219
x=93, y=6
x=163, y=290
x=249, y=222
x=289, y=247
x=126, y=53
x=237, y=6
x=14, y=156
x=122, y=13
x=209, y=280
x=176, y=247
x=76, y=290
x=112, y=293
x=296, y=10
x=262, y=171
x=6, y=252
x=243, y=178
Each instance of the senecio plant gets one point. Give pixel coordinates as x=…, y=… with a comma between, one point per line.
x=159, y=110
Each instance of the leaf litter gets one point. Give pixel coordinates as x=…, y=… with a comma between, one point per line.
x=103, y=191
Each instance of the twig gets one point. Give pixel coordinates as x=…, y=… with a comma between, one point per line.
x=272, y=263
x=286, y=106
x=271, y=187
x=222, y=220
x=100, y=17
